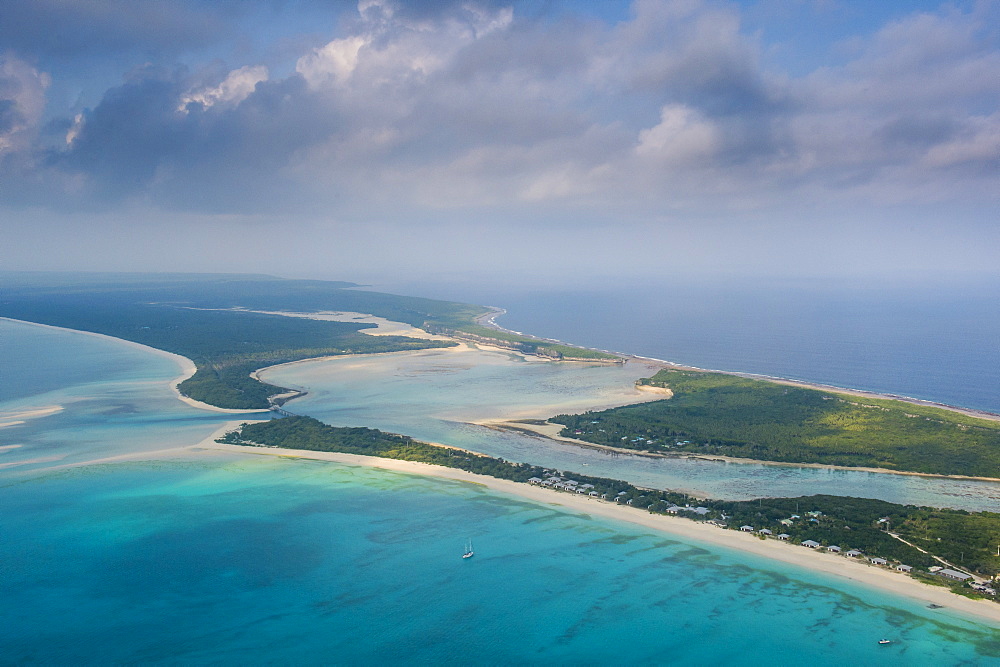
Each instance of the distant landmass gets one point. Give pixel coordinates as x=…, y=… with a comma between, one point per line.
x=192, y=315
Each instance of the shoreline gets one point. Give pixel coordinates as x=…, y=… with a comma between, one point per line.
x=187, y=366
x=540, y=430
x=488, y=319
x=840, y=567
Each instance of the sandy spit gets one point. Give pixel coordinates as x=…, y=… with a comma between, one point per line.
x=837, y=566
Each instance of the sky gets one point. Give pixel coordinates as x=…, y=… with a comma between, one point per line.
x=553, y=141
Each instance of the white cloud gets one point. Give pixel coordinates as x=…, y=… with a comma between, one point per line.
x=332, y=63
x=22, y=101
x=236, y=87
x=681, y=136
x=387, y=48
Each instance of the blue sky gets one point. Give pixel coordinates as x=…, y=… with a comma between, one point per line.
x=533, y=139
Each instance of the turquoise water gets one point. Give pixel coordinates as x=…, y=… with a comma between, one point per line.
x=259, y=560
x=435, y=394
x=111, y=398
x=211, y=558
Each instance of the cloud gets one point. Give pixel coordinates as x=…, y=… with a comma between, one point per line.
x=235, y=88
x=464, y=106
x=681, y=136
x=22, y=99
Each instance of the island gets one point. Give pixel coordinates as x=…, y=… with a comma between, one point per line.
x=718, y=414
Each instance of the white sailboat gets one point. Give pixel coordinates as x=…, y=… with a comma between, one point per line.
x=469, y=553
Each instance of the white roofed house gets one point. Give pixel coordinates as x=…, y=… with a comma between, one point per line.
x=810, y=544
x=904, y=568
x=746, y=529
x=878, y=561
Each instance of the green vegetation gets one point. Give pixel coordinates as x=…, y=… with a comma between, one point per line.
x=226, y=345
x=966, y=539
x=191, y=316
x=714, y=413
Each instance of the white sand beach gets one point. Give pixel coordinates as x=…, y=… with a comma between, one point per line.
x=831, y=564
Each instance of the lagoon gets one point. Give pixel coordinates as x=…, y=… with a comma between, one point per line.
x=438, y=395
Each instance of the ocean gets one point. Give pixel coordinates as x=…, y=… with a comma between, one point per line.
x=212, y=558
x=938, y=340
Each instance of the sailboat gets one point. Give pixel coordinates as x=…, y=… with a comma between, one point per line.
x=469, y=553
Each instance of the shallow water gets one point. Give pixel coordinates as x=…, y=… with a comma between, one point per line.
x=109, y=398
x=433, y=395
x=260, y=560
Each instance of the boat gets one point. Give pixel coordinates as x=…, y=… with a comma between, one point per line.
x=469, y=553
x=884, y=641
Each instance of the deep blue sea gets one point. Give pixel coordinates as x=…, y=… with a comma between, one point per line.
x=936, y=340
x=208, y=558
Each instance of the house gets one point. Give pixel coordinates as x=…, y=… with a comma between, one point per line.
x=953, y=574
x=786, y=522
x=783, y=536
x=746, y=529
x=905, y=568
x=810, y=544
x=834, y=549
x=764, y=531
x=535, y=480
x=674, y=509
x=853, y=553
x=878, y=561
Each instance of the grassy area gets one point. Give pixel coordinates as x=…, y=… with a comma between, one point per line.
x=714, y=413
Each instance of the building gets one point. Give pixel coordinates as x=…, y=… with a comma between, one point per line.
x=810, y=544
x=878, y=561
x=764, y=531
x=904, y=568
x=953, y=575
x=783, y=536
x=746, y=529
x=833, y=548
x=853, y=553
